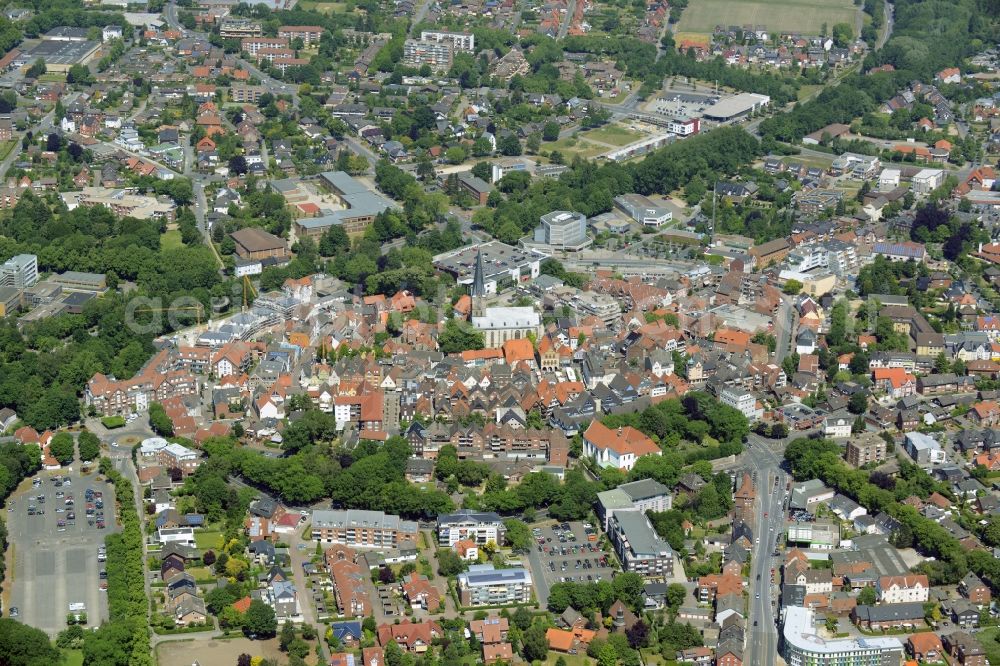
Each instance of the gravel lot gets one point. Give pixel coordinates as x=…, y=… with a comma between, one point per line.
x=53, y=566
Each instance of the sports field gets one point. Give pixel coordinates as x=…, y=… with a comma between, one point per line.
x=803, y=16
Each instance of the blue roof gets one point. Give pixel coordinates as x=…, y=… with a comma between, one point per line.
x=350, y=629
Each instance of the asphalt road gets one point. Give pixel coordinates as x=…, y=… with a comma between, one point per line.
x=784, y=324
x=762, y=642
x=53, y=569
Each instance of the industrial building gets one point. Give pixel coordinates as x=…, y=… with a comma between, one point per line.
x=737, y=107
x=59, y=54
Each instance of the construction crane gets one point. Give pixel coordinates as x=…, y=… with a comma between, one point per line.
x=197, y=309
x=248, y=290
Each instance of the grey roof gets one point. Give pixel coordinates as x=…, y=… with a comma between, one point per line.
x=480, y=575
x=641, y=537
x=644, y=489
x=890, y=612
x=322, y=518
x=468, y=515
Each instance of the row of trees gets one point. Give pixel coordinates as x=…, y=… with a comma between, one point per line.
x=124, y=640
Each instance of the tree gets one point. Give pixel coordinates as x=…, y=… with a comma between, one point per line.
x=21, y=645
x=676, y=593
x=521, y=618
x=159, y=421
x=36, y=69
x=449, y=563
x=535, y=646
x=244, y=660
x=8, y=102
x=550, y=131
x=842, y=34
x=238, y=164
x=62, y=448
x=53, y=142
x=455, y=155
x=867, y=597
x=89, y=445
x=259, y=621
x=457, y=337
x=831, y=624
x=287, y=636
x=858, y=403
x=638, y=633
x=509, y=145
x=518, y=536
x=79, y=74
x=792, y=287
x=534, y=143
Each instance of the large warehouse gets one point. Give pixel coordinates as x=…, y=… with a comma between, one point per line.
x=733, y=108
x=59, y=55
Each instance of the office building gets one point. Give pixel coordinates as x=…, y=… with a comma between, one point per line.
x=19, y=272
x=562, y=230
x=482, y=585
x=643, y=210
x=361, y=529
x=742, y=401
x=803, y=646
x=468, y=525
x=638, y=546
x=503, y=265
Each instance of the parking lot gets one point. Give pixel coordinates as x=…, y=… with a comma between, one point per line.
x=55, y=558
x=564, y=553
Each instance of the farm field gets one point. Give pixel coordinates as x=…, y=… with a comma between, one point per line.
x=804, y=16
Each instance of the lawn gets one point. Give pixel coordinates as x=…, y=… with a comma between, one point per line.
x=171, y=240
x=807, y=91
x=112, y=422
x=208, y=539
x=803, y=16
x=988, y=637
x=571, y=659
x=616, y=135
x=72, y=658
x=579, y=147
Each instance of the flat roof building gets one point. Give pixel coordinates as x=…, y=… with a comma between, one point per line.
x=466, y=524
x=355, y=527
x=804, y=647
x=361, y=204
x=563, y=230
x=483, y=585
x=19, y=272
x=503, y=265
x=733, y=108
x=80, y=281
x=638, y=546
x=642, y=210
x=59, y=55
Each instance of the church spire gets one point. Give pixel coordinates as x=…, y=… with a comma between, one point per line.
x=478, y=290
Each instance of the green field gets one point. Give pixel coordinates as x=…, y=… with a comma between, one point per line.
x=616, y=135
x=208, y=540
x=803, y=16
x=112, y=422
x=324, y=7
x=72, y=658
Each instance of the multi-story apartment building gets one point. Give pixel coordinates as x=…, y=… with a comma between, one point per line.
x=483, y=585
x=309, y=34
x=641, y=496
x=801, y=647
x=638, y=546
x=910, y=588
x=864, y=450
x=466, y=524
x=238, y=28
x=254, y=44
x=419, y=52
x=361, y=529
x=156, y=382
x=169, y=455
x=460, y=41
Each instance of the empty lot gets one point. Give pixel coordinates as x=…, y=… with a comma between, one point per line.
x=53, y=568
x=802, y=16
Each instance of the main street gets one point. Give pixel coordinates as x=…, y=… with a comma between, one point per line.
x=762, y=641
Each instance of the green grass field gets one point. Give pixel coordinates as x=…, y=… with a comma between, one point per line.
x=616, y=135
x=171, y=240
x=804, y=16
x=580, y=147
x=208, y=540
x=72, y=658
x=988, y=637
x=324, y=7
x=112, y=422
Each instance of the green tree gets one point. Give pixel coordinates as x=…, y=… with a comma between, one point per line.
x=260, y=621
x=535, y=646
x=509, y=145
x=792, y=287
x=36, y=69
x=159, y=421
x=62, y=448
x=89, y=445
x=21, y=645
x=550, y=131
x=858, y=403
x=518, y=535
x=449, y=563
x=457, y=337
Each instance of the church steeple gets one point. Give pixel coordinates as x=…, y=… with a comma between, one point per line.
x=478, y=290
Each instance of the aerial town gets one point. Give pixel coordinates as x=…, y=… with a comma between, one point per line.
x=548, y=332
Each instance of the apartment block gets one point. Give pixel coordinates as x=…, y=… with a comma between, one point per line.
x=361, y=529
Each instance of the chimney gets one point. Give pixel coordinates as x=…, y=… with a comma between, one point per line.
x=619, y=431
